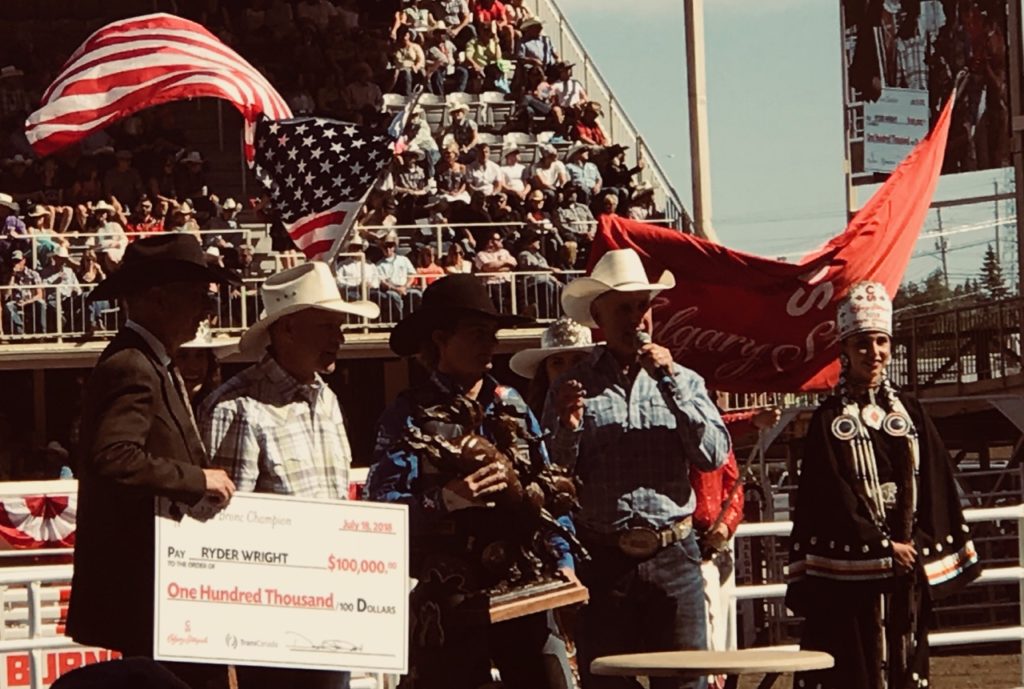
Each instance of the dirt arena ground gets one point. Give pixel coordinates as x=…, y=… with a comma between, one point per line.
x=953, y=672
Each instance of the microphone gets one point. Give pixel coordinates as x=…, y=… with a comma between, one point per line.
x=664, y=374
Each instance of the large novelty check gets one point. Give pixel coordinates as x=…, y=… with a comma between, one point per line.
x=282, y=581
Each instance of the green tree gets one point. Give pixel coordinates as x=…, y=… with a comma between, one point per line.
x=993, y=284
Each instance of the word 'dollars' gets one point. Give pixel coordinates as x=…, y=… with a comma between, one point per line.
x=240, y=596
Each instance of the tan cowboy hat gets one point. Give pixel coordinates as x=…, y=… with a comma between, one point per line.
x=103, y=206
x=308, y=286
x=204, y=339
x=576, y=150
x=617, y=271
x=564, y=335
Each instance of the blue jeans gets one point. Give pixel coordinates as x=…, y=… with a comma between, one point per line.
x=15, y=317
x=441, y=83
x=641, y=606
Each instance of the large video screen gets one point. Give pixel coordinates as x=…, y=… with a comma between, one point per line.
x=902, y=59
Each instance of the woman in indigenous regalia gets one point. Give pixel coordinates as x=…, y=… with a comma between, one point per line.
x=878, y=532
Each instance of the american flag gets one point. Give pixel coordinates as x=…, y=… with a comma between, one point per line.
x=137, y=63
x=318, y=173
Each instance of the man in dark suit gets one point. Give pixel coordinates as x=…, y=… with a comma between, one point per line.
x=139, y=442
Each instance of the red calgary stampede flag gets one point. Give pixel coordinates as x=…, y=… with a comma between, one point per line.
x=751, y=324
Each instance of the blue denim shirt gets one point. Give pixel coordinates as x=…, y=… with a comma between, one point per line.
x=395, y=476
x=633, y=450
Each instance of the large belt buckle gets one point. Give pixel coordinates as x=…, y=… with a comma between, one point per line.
x=639, y=541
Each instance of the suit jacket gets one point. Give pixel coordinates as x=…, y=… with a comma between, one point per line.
x=137, y=443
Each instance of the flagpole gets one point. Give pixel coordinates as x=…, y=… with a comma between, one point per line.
x=697, y=101
x=397, y=128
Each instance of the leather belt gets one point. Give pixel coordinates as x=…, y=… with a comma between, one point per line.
x=642, y=541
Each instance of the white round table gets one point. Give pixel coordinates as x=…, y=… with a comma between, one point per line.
x=749, y=661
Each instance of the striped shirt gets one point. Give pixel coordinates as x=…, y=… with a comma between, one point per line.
x=633, y=450
x=273, y=434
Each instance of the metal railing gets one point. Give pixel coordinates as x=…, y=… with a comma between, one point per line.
x=620, y=128
x=36, y=245
x=969, y=343
x=994, y=575
x=59, y=313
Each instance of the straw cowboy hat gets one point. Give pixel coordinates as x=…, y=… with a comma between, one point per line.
x=458, y=107
x=160, y=260
x=204, y=339
x=617, y=271
x=307, y=286
x=563, y=336
x=444, y=302
x=103, y=206
x=7, y=201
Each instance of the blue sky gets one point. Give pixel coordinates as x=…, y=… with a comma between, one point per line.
x=775, y=119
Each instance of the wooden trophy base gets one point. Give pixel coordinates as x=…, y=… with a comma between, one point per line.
x=536, y=598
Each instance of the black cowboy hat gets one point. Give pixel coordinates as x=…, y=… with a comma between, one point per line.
x=444, y=302
x=153, y=261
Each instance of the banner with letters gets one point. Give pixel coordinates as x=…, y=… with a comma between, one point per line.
x=285, y=582
x=753, y=324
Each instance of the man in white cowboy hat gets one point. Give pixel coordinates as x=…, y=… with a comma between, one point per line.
x=63, y=287
x=583, y=172
x=225, y=219
x=514, y=179
x=629, y=422
x=111, y=238
x=25, y=299
x=462, y=131
x=535, y=47
x=277, y=427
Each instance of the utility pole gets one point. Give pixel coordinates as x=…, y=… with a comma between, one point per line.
x=999, y=256
x=942, y=245
x=697, y=101
x=1016, y=44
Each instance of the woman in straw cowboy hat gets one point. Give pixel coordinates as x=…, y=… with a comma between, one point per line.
x=629, y=422
x=878, y=532
x=562, y=345
x=452, y=518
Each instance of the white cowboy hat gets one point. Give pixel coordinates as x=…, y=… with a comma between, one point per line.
x=193, y=157
x=307, y=286
x=229, y=204
x=103, y=206
x=204, y=339
x=10, y=71
x=617, y=271
x=458, y=107
x=37, y=211
x=17, y=159
x=564, y=335
x=7, y=201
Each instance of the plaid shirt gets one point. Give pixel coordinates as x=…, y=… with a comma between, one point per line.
x=275, y=435
x=633, y=450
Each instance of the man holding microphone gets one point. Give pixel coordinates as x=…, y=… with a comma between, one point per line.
x=629, y=422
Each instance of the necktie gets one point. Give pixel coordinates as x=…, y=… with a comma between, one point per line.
x=179, y=385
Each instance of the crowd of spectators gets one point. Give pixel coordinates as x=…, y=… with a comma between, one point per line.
x=467, y=191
